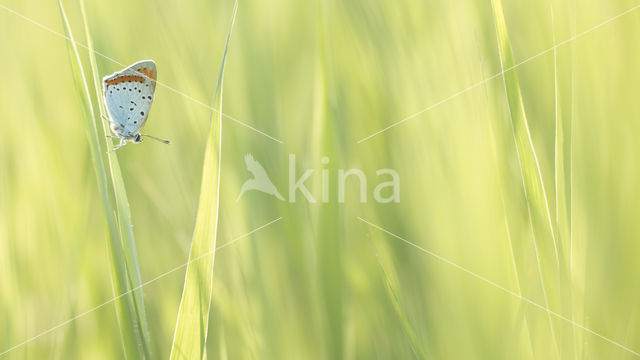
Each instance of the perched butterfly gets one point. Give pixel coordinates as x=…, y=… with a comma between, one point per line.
x=128, y=95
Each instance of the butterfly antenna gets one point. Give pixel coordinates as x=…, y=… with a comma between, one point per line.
x=157, y=138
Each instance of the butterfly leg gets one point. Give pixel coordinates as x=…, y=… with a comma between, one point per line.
x=123, y=142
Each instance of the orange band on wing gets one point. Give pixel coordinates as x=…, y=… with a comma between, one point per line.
x=121, y=79
x=147, y=72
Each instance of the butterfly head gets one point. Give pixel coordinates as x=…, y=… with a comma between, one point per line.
x=137, y=139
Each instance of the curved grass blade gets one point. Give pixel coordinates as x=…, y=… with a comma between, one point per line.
x=546, y=254
x=493, y=144
x=125, y=272
x=190, y=337
x=132, y=269
x=393, y=295
x=534, y=185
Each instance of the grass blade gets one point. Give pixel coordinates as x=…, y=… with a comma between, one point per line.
x=329, y=217
x=132, y=268
x=125, y=272
x=393, y=295
x=546, y=254
x=532, y=174
x=563, y=89
x=190, y=337
x=493, y=144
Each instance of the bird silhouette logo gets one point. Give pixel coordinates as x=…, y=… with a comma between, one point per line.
x=260, y=180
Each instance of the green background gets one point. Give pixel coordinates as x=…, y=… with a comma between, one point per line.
x=320, y=76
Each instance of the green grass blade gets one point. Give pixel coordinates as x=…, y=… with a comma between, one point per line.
x=123, y=259
x=532, y=174
x=190, y=337
x=131, y=267
x=393, y=295
x=330, y=227
x=577, y=254
x=493, y=144
x=544, y=237
x=563, y=89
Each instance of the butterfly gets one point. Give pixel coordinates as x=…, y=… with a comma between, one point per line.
x=128, y=94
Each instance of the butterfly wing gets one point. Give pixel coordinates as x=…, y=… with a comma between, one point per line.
x=146, y=67
x=129, y=95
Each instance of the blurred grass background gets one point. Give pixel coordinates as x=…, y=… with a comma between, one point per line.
x=321, y=75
